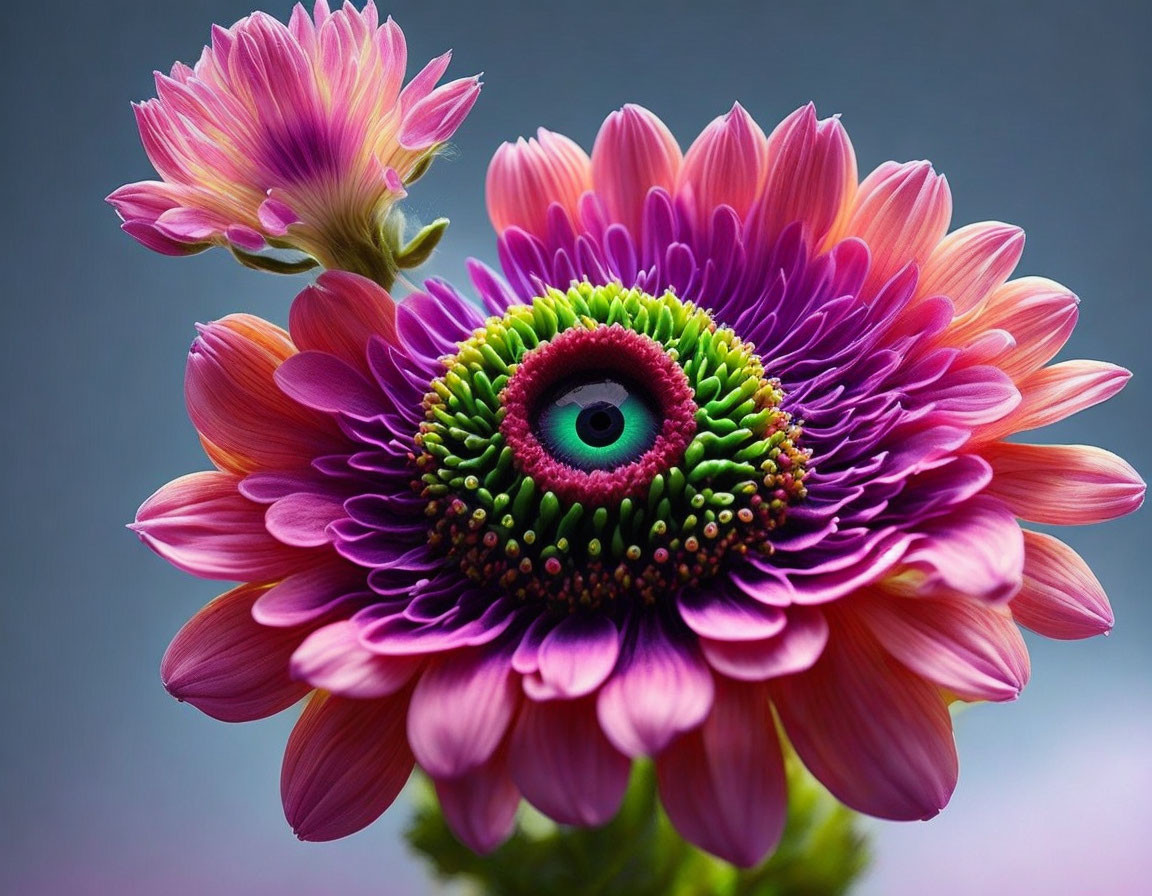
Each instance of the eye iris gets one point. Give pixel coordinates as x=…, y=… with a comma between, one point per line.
x=597, y=424
x=600, y=424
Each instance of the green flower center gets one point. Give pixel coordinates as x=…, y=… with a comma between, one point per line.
x=603, y=444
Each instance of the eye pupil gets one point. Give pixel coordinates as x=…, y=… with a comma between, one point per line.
x=600, y=424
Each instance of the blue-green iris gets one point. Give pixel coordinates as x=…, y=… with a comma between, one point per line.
x=597, y=423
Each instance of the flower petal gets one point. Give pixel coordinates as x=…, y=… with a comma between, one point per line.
x=976, y=550
x=1053, y=393
x=726, y=164
x=876, y=735
x=811, y=175
x=575, y=657
x=795, y=649
x=1063, y=484
x=901, y=212
x=971, y=649
x=723, y=784
x=660, y=688
x=460, y=710
x=246, y=422
x=345, y=763
x=633, y=153
x=527, y=177
x=332, y=659
x=563, y=763
x=229, y=666
x=324, y=382
x=1060, y=598
x=480, y=807
x=339, y=314
x=200, y=523
x=971, y=262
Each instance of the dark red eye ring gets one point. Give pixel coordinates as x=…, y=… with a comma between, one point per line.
x=610, y=350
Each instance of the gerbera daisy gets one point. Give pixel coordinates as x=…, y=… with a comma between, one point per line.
x=298, y=136
x=722, y=458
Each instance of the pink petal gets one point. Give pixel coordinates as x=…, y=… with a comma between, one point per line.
x=332, y=659
x=145, y=200
x=525, y=178
x=309, y=594
x=460, y=710
x=723, y=784
x=276, y=216
x=876, y=735
x=795, y=649
x=971, y=262
x=726, y=164
x=247, y=423
x=325, y=383
x=227, y=665
x=811, y=175
x=901, y=212
x=421, y=85
x=1060, y=598
x=976, y=550
x=148, y=236
x=724, y=614
x=200, y=523
x=563, y=763
x=970, y=649
x=575, y=658
x=659, y=689
x=633, y=153
x=345, y=763
x=191, y=225
x=300, y=520
x=1063, y=484
x=1040, y=314
x=244, y=237
x=1054, y=393
x=480, y=807
x=339, y=314
x=973, y=396
x=436, y=117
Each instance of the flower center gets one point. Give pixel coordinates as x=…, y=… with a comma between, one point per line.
x=604, y=445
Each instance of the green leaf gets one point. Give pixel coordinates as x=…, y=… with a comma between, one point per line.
x=419, y=249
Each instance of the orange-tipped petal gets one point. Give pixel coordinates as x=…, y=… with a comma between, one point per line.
x=901, y=211
x=970, y=262
x=811, y=175
x=1053, y=393
x=245, y=420
x=726, y=164
x=1060, y=598
x=633, y=153
x=526, y=177
x=1067, y=485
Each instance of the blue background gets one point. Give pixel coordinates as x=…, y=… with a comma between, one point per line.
x=1038, y=112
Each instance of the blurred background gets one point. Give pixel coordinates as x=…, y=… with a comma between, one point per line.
x=1038, y=112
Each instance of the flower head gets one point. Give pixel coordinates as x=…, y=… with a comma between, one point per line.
x=726, y=447
x=300, y=135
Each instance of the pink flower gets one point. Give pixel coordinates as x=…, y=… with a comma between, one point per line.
x=726, y=450
x=301, y=136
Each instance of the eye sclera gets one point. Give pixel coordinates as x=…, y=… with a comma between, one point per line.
x=604, y=351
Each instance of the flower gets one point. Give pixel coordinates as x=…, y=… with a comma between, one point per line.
x=296, y=136
x=725, y=450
